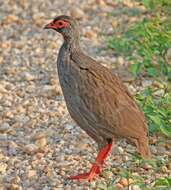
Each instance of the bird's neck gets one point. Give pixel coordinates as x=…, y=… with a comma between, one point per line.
x=72, y=43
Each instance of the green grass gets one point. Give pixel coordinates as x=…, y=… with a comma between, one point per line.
x=145, y=44
x=157, y=110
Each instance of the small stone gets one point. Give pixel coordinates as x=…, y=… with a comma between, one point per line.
x=16, y=180
x=146, y=83
x=120, y=60
x=11, y=18
x=6, y=45
x=15, y=187
x=9, y=114
x=41, y=142
x=39, y=135
x=76, y=12
x=159, y=92
x=126, y=158
x=153, y=149
x=132, y=89
x=12, y=150
x=164, y=169
x=1, y=60
x=39, y=155
x=22, y=118
x=48, y=91
x=169, y=165
x=107, y=174
x=91, y=34
x=101, y=2
x=118, y=150
x=31, y=148
x=2, y=187
x=147, y=166
x=69, y=126
x=2, y=89
x=4, y=127
x=135, y=187
x=119, y=186
x=161, y=150
x=125, y=182
x=27, y=76
x=31, y=173
x=3, y=167
x=3, y=137
x=168, y=56
x=82, y=146
x=114, y=23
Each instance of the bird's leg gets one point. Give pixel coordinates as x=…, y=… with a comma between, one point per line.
x=96, y=168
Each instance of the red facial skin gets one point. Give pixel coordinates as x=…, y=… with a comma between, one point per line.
x=57, y=24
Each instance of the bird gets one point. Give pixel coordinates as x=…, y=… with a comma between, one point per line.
x=96, y=99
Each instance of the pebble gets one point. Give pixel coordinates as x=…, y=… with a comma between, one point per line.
x=147, y=166
x=119, y=186
x=101, y=2
x=107, y=174
x=23, y=119
x=161, y=150
x=168, y=56
x=160, y=92
x=76, y=12
x=48, y=91
x=4, y=127
x=3, y=137
x=132, y=89
x=12, y=148
x=146, y=83
x=125, y=182
x=41, y=142
x=28, y=76
x=39, y=135
x=30, y=148
x=3, y=167
x=16, y=180
x=165, y=169
x=15, y=187
x=91, y=34
x=31, y=173
x=153, y=149
x=69, y=126
x=169, y=165
x=120, y=60
x=2, y=89
x=134, y=187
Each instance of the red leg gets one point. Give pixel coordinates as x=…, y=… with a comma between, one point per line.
x=97, y=166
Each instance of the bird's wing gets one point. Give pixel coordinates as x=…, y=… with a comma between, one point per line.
x=108, y=99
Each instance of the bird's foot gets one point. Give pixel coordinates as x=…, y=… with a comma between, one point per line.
x=95, y=170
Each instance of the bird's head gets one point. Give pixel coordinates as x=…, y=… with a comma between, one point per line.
x=65, y=25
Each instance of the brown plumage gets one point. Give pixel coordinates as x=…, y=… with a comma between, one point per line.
x=96, y=99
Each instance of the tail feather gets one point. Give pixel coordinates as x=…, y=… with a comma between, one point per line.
x=144, y=149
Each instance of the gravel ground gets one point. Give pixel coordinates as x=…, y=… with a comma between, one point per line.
x=39, y=143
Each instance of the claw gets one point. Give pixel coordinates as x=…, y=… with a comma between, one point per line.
x=95, y=170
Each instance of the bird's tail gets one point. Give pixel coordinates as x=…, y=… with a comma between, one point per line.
x=144, y=149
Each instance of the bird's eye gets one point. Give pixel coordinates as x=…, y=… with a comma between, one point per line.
x=60, y=23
